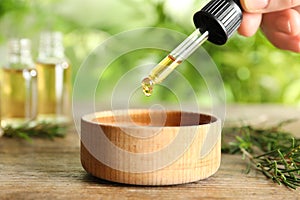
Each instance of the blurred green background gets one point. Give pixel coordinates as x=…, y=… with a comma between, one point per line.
x=252, y=69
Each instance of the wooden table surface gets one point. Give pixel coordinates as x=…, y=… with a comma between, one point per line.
x=45, y=169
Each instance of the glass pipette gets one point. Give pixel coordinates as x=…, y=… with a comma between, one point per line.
x=175, y=58
x=216, y=22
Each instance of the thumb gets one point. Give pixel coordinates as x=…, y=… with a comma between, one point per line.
x=265, y=6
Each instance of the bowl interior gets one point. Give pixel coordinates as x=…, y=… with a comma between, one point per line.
x=155, y=118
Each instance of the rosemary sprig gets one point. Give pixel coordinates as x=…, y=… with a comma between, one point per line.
x=36, y=129
x=272, y=151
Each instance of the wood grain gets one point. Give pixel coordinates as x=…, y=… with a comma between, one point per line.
x=133, y=162
x=47, y=169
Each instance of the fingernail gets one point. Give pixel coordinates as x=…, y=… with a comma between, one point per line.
x=283, y=25
x=255, y=5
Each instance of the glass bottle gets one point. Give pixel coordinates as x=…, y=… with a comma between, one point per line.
x=54, y=80
x=18, y=85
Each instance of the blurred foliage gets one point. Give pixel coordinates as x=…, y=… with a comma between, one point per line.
x=252, y=69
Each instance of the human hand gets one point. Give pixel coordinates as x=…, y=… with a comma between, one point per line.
x=278, y=19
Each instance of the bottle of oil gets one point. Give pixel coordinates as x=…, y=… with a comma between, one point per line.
x=18, y=85
x=54, y=80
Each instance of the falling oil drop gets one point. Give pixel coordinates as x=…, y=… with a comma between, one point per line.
x=147, y=85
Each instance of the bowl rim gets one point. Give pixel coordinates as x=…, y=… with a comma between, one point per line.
x=91, y=118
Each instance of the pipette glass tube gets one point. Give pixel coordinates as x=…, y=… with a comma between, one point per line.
x=175, y=58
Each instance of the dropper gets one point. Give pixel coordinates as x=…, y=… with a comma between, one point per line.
x=215, y=22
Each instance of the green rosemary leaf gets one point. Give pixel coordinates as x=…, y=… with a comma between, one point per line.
x=284, y=123
x=266, y=154
x=36, y=129
x=22, y=135
x=291, y=170
x=272, y=151
x=289, y=184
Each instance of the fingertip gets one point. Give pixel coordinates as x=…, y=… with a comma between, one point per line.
x=250, y=24
x=254, y=6
x=294, y=18
x=286, y=21
x=285, y=42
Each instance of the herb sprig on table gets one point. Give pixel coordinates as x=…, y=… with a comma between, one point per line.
x=36, y=129
x=272, y=151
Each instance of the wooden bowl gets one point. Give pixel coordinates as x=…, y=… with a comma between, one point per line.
x=150, y=147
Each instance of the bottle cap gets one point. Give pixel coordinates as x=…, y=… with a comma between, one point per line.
x=221, y=18
x=51, y=46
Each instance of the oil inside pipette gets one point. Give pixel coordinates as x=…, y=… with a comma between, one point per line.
x=175, y=58
x=159, y=73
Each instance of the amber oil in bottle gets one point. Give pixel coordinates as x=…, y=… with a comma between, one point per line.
x=18, y=85
x=54, y=80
